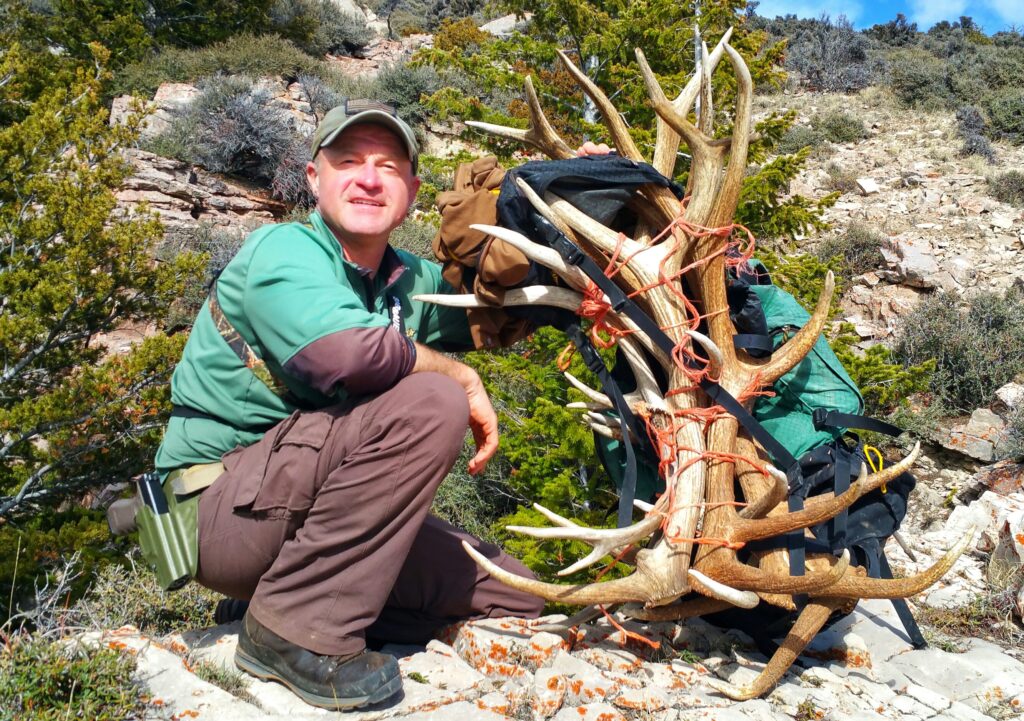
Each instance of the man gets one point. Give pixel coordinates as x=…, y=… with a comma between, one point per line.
x=310, y=373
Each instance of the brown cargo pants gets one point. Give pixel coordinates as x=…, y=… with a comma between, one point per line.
x=324, y=525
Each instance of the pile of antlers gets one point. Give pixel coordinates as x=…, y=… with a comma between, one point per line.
x=685, y=550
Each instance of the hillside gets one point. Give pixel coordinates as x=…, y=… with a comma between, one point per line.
x=917, y=205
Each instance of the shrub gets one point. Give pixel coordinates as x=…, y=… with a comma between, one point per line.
x=403, y=86
x=840, y=179
x=317, y=26
x=972, y=127
x=245, y=54
x=918, y=79
x=320, y=96
x=289, y=181
x=830, y=56
x=1006, y=114
x=977, y=348
x=415, y=236
x=858, y=250
x=130, y=596
x=1008, y=187
x=797, y=138
x=47, y=680
x=231, y=128
x=895, y=33
x=460, y=35
x=840, y=127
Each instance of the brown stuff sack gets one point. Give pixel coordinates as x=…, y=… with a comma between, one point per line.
x=477, y=263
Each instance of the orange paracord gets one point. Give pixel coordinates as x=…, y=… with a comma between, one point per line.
x=605, y=335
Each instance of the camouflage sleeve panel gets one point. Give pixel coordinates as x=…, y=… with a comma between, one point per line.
x=359, y=360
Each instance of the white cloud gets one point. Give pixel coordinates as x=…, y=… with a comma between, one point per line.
x=1010, y=12
x=812, y=8
x=928, y=12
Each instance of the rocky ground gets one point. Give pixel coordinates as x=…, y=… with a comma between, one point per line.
x=862, y=667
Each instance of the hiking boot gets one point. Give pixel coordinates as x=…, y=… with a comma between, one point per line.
x=331, y=682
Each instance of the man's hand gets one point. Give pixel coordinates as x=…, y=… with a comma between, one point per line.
x=483, y=421
x=591, y=148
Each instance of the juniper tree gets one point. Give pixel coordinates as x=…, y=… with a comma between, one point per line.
x=72, y=267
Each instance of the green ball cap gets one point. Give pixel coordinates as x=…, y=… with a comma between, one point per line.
x=353, y=112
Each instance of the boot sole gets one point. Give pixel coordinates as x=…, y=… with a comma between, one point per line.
x=255, y=668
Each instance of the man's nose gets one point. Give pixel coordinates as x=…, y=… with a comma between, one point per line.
x=369, y=176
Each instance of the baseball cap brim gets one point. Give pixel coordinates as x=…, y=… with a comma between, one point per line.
x=336, y=122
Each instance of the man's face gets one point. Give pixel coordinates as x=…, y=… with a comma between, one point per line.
x=364, y=185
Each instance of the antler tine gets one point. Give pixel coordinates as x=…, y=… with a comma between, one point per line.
x=605, y=541
x=808, y=623
x=718, y=590
x=667, y=143
x=706, y=121
x=750, y=578
x=601, y=422
x=715, y=357
x=729, y=194
x=548, y=257
x=863, y=587
x=744, y=530
x=793, y=351
x=540, y=134
x=530, y=295
x=646, y=383
x=639, y=587
x=877, y=479
x=616, y=125
x=708, y=159
x=586, y=390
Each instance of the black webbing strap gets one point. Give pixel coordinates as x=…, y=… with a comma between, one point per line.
x=824, y=418
x=764, y=344
x=902, y=609
x=621, y=303
x=840, y=484
x=627, y=421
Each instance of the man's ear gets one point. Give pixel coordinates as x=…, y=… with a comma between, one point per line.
x=414, y=187
x=313, y=179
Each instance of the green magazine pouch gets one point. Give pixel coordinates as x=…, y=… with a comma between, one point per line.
x=168, y=530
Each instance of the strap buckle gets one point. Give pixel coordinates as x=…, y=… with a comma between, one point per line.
x=819, y=416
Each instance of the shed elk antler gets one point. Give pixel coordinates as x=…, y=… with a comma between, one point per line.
x=689, y=565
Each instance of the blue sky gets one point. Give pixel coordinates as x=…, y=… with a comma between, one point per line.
x=991, y=15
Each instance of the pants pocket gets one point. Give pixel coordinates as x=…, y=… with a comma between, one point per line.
x=278, y=476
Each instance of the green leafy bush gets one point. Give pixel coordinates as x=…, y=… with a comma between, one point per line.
x=51, y=680
x=1006, y=114
x=764, y=209
x=840, y=127
x=1008, y=187
x=244, y=54
x=977, y=348
x=32, y=552
x=858, y=250
x=885, y=384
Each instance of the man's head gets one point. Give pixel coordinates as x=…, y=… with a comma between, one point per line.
x=363, y=174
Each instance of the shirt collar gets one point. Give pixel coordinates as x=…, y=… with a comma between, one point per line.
x=391, y=265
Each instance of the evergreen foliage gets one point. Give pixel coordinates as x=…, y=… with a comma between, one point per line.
x=45, y=679
x=71, y=269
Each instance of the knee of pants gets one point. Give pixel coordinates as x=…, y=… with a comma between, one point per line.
x=437, y=406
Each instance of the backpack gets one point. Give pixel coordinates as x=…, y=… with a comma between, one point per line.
x=804, y=425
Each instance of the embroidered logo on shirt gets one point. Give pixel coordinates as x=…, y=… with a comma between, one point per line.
x=396, y=314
